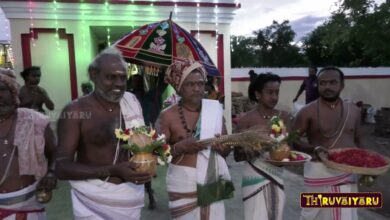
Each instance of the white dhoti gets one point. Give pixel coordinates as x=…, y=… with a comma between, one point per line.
x=319, y=178
x=21, y=204
x=263, y=191
x=182, y=181
x=96, y=199
x=181, y=186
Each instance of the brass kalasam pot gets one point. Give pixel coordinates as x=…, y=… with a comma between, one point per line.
x=141, y=140
x=280, y=152
x=43, y=196
x=147, y=163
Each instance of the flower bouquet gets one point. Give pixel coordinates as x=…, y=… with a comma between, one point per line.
x=148, y=148
x=281, y=152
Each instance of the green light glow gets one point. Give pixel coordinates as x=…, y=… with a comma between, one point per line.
x=107, y=6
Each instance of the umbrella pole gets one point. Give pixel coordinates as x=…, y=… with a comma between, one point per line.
x=170, y=16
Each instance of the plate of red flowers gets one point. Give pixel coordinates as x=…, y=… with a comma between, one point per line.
x=355, y=160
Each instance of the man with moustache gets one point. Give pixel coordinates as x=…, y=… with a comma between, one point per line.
x=328, y=122
x=198, y=178
x=27, y=155
x=104, y=183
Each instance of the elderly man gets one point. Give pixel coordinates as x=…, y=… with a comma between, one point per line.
x=104, y=183
x=329, y=122
x=27, y=149
x=198, y=178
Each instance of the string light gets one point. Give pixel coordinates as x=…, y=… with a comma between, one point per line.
x=216, y=25
x=55, y=7
x=6, y=30
x=231, y=44
x=131, y=15
x=108, y=37
x=10, y=55
x=175, y=9
x=108, y=27
x=30, y=9
x=197, y=21
x=83, y=27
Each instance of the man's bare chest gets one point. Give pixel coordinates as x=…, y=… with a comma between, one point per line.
x=99, y=129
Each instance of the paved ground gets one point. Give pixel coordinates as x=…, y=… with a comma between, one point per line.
x=60, y=207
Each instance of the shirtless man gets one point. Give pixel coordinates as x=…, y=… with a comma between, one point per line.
x=329, y=122
x=264, y=89
x=27, y=151
x=182, y=123
x=31, y=95
x=104, y=183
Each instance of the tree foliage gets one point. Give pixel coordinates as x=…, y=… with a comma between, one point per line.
x=272, y=46
x=243, y=53
x=275, y=46
x=356, y=34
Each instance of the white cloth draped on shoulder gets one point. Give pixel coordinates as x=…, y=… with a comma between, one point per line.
x=21, y=204
x=211, y=124
x=319, y=178
x=30, y=139
x=182, y=181
x=131, y=109
x=97, y=199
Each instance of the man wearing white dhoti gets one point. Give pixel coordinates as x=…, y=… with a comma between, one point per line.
x=331, y=123
x=27, y=149
x=198, y=179
x=262, y=183
x=104, y=182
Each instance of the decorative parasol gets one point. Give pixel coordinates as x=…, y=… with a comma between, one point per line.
x=162, y=43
